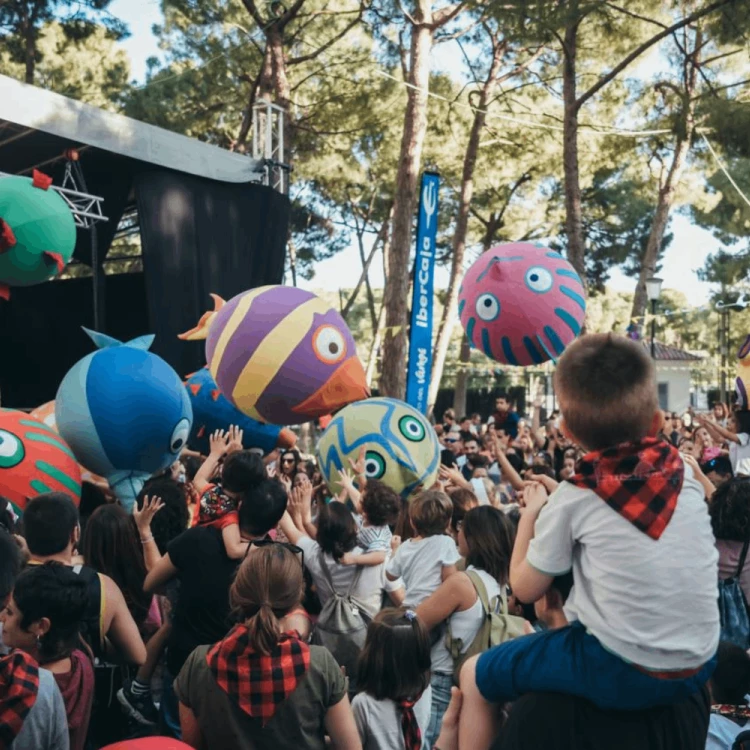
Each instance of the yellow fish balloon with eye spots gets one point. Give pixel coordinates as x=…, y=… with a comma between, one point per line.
x=401, y=447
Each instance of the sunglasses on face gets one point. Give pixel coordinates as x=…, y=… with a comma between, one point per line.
x=451, y=440
x=287, y=460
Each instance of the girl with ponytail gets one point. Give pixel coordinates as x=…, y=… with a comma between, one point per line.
x=231, y=694
x=393, y=710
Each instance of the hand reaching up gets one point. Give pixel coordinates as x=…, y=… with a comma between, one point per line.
x=234, y=440
x=218, y=443
x=533, y=498
x=144, y=516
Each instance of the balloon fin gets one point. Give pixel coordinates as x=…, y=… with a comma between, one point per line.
x=101, y=340
x=7, y=238
x=54, y=258
x=142, y=342
x=200, y=332
x=40, y=180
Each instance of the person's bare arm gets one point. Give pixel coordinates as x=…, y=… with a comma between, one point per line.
x=368, y=559
x=717, y=431
x=122, y=631
x=205, y=474
x=233, y=544
x=341, y=727
x=700, y=477
x=346, y=481
x=527, y=582
x=537, y=433
x=456, y=593
x=515, y=479
x=455, y=477
x=161, y=574
x=287, y=525
x=191, y=730
x=143, y=518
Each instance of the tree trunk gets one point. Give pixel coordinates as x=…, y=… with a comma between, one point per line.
x=462, y=379
x=573, y=214
x=448, y=319
x=281, y=84
x=393, y=378
x=669, y=188
x=377, y=334
x=29, y=37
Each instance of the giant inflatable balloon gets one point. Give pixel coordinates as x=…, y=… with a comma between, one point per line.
x=212, y=411
x=37, y=232
x=401, y=447
x=521, y=304
x=34, y=460
x=46, y=414
x=281, y=355
x=742, y=381
x=124, y=412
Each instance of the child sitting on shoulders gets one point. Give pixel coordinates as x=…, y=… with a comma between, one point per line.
x=392, y=707
x=242, y=471
x=633, y=526
x=427, y=559
x=376, y=508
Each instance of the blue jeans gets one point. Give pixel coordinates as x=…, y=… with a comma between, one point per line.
x=169, y=708
x=441, y=696
x=572, y=661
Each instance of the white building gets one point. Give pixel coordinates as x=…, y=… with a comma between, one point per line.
x=673, y=376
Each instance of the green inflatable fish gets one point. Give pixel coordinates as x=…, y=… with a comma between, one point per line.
x=37, y=232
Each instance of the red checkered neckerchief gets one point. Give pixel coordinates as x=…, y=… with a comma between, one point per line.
x=409, y=725
x=19, y=686
x=641, y=481
x=258, y=682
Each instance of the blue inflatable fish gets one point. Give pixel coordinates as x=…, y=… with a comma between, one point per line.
x=213, y=411
x=124, y=413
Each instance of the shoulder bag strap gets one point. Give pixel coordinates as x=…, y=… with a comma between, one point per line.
x=480, y=588
x=741, y=566
x=326, y=572
x=355, y=581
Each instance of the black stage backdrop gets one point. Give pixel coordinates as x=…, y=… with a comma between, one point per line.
x=198, y=236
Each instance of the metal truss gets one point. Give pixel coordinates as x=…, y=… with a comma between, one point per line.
x=86, y=208
x=268, y=144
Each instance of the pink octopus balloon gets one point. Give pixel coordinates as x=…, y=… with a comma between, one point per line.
x=521, y=303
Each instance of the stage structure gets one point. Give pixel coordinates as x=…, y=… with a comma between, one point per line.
x=163, y=220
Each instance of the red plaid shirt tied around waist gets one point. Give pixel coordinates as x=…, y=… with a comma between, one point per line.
x=641, y=481
x=258, y=682
x=409, y=725
x=19, y=686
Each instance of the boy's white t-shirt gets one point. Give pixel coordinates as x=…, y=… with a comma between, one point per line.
x=739, y=454
x=653, y=603
x=420, y=563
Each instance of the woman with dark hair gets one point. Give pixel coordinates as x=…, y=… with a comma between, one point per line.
x=485, y=540
x=730, y=519
x=336, y=536
x=44, y=618
x=288, y=463
x=229, y=695
x=111, y=545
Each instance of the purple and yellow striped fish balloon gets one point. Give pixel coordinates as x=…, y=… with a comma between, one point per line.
x=521, y=303
x=281, y=355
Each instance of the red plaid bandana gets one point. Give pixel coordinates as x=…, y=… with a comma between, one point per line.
x=641, y=481
x=409, y=725
x=258, y=682
x=19, y=685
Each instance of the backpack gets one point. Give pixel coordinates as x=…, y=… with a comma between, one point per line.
x=735, y=623
x=498, y=626
x=342, y=625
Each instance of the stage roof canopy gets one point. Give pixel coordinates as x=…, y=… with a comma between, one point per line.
x=36, y=126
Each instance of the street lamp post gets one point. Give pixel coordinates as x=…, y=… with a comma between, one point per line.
x=653, y=292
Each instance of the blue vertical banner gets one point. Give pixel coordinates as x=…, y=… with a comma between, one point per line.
x=420, y=333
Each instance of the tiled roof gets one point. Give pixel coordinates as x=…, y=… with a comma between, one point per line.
x=670, y=353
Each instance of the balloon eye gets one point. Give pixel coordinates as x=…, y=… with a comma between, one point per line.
x=12, y=451
x=488, y=307
x=179, y=436
x=374, y=465
x=538, y=279
x=411, y=428
x=329, y=345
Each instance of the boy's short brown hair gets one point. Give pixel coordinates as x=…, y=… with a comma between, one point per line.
x=430, y=512
x=606, y=385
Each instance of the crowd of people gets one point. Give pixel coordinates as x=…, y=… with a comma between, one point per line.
x=576, y=579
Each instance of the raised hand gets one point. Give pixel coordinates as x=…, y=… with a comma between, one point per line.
x=234, y=440
x=144, y=516
x=218, y=443
x=533, y=498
